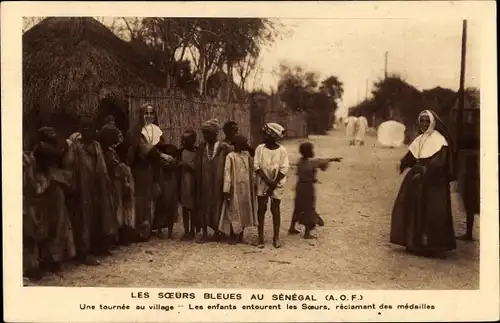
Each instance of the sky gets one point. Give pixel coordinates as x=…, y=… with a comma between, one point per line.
x=425, y=53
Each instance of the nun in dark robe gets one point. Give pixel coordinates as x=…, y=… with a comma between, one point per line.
x=421, y=217
x=144, y=158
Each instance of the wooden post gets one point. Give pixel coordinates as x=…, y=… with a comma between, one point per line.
x=366, y=90
x=385, y=67
x=461, y=91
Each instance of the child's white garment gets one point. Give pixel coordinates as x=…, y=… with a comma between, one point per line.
x=271, y=162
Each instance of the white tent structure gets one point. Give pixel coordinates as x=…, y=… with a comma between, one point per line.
x=391, y=134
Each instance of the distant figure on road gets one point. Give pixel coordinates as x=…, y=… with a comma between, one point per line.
x=421, y=218
x=362, y=128
x=351, y=129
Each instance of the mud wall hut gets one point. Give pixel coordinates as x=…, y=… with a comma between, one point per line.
x=74, y=66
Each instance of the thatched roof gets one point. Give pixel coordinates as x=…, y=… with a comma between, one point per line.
x=71, y=63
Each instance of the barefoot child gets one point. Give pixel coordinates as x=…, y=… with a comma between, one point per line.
x=211, y=156
x=305, y=195
x=239, y=192
x=271, y=166
x=187, y=156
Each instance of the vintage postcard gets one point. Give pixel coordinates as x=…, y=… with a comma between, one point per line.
x=250, y=161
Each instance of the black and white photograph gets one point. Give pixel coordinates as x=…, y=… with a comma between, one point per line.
x=253, y=152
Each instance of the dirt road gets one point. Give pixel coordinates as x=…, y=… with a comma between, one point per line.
x=355, y=199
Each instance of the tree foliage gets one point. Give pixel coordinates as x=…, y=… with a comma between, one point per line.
x=191, y=50
x=214, y=46
x=302, y=90
x=394, y=98
x=333, y=87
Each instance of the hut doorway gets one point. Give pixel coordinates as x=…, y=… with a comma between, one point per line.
x=116, y=108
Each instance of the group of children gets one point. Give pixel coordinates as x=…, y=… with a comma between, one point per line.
x=84, y=198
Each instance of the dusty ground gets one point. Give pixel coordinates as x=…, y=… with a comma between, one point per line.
x=355, y=199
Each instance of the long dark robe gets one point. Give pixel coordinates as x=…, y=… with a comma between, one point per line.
x=422, y=218
x=305, y=192
x=35, y=230
x=47, y=231
x=166, y=204
x=187, y=179
x=123, y=186
x=92, y=204
x=209, y=185
x=60, y=244
x=144, y=163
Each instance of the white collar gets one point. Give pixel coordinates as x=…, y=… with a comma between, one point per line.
x=427, y=144
x=152, y=133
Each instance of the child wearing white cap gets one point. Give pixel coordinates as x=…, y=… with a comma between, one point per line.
x=271, y=166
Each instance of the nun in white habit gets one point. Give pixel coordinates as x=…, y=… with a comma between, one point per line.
x=362, y=128
x=144, y=159
x=351, y=129
x=421, y=217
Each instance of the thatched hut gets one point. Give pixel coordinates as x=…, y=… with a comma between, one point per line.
x=74, y=66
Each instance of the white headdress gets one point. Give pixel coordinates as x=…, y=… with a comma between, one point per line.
x=429, y=142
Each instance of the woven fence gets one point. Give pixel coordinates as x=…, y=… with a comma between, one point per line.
x=294, y=122
x=177, y=113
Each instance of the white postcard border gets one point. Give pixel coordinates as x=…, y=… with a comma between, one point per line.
x=62, y=304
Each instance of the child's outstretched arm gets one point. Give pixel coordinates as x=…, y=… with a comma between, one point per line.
x=322, y=163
